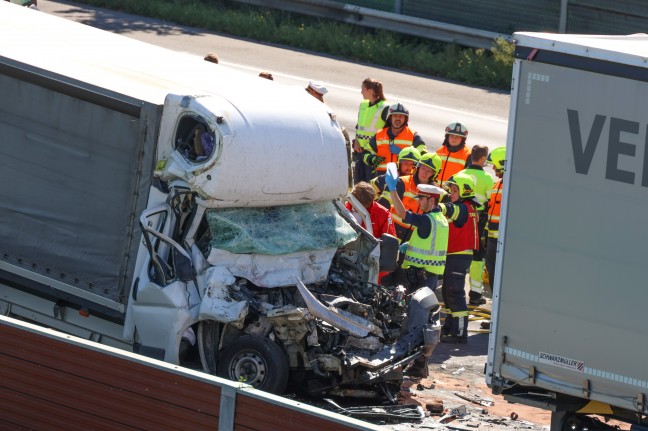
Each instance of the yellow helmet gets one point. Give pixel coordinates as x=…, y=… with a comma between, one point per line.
x=497, y=157
x=409, y=153
x=464, y=183
x=433, y=161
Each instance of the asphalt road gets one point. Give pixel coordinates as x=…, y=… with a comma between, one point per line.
x=433, y=103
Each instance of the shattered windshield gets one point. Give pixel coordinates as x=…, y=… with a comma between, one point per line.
x=279, y=230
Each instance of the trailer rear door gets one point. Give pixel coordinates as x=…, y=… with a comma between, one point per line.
x=570, y=292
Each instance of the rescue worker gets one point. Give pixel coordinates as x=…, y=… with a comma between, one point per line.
x=498, y=158
x=266, y=75
x=425, y=254
x=462, y=241
x=212, y=57
x=407, y=161
x=372, y=115
x=426, y=168
x=483, y=184
x=454, y=153
x=389, y=141
x=317, y=90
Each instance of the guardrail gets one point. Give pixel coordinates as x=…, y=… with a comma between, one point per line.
x=428, y=29
x=53, y=381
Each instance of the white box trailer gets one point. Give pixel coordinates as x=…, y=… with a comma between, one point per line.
x=569, y=327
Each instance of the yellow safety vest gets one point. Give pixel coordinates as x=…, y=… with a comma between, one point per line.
x=429, y=253
x=369, y=122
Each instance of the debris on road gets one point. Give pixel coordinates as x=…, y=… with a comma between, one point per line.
x=392, y=413
x=475, y=399
x=435, y=407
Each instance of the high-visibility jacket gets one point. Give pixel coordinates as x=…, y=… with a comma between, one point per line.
x=369, y=122
x=464, y=239
x=494, y=207
x=404, y=139
x=483, y=182
x=452, y=162
x=429, y=253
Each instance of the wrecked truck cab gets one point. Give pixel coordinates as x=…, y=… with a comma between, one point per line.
x=254, y=251
x=288, y=294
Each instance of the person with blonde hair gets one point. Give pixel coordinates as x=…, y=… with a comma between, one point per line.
x=372, y=115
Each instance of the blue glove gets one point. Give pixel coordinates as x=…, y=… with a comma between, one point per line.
x=394, y=149
x=390, y=181
x=403, y=247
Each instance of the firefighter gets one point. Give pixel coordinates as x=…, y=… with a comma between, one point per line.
x=425, y=254
x=408, y=160
x=497, y=158
x=483, y=184
x=462, y=242
x=454, y=153
x=317, y=90
x=372, y=115
x=389, y=141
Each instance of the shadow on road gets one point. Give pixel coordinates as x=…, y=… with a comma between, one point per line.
x=477, y=346
x=115, y=21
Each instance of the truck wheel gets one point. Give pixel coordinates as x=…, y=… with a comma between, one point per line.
x=257, y=361
x=208, y=339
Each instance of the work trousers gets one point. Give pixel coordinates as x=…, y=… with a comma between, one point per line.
x=454, y=295
x=415, y=278
x=491, y=253
x=477, y=265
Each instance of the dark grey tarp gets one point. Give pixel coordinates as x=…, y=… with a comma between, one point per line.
x=70, y=187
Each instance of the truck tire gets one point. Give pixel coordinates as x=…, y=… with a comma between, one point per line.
x=257, y=361
x=208, y=339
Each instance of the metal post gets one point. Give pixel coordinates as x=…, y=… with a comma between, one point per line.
x=227, y=408
x=562, y=25
x=398, y=6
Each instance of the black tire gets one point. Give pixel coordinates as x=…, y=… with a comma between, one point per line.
x=257, y=361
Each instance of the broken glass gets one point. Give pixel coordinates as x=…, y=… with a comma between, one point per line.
x=279, y=230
